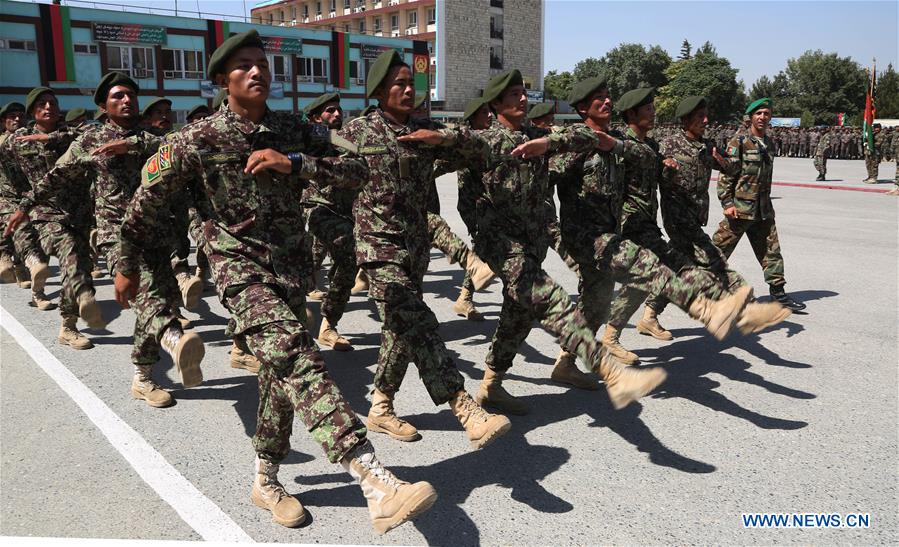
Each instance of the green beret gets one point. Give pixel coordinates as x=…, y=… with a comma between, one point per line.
x=420, y=100
x=585, y=88
x=146, y=111
x=75, y=113
x=99, y=115
x=220, y=97
x=379, y=69
x=220, y=56
x=9, y=108
x=758, y=103
x=196, y=110
x=635, y=98
x=321, y=101
x=472, y=106
x=498, y=84
x=688, y=105
x=33, y=95
x=540, y=110
x=109, y=81
x=367, y=110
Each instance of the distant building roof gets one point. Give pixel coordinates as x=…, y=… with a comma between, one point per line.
x=267, y=3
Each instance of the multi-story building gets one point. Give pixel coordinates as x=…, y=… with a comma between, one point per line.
x=469, y=40
x=70, y=48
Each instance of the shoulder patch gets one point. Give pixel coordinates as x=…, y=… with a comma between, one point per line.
x=151, y=170
x=165, y=157
x=732, y=151
x=373, y=149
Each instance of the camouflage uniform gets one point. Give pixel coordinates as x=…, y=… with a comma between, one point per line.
x=822, y=150
x=393, y=247
x=14, y=186
x=748, y=189
x=872, y=157
x=254, y=232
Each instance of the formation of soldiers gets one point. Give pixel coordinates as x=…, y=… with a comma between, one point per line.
x=267, y=195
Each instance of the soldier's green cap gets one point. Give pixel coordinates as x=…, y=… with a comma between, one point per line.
x=109, y=81
x=75, y=113
x=379, y=69
x=220, y=97
x=635, y=98
x=220, y=56
x=320, y=101
x=9, y=108
x=585, y=88
x=33, y=95
x=420, y=100
x=540, y=110
x=196, y=110
x=153, y=103
x=472, y=106
x=99, y=115
x=498, y=84
x=688, y=105
x=367, y=110
x=758, y=103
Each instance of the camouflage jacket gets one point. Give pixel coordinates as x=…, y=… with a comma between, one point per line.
x=747, y=182
x=823, y=147
x=685, y=190
x=391, y=209
x=642, y=170
x=253, y=224
x=25, y=167
x=590, y=185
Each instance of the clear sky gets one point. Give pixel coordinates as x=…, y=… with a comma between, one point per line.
x=757, y=36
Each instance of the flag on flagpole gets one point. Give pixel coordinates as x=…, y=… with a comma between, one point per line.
x=870, y=111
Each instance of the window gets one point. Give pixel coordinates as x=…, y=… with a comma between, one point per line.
x=271, y=18
x=346, y=5
x=20, y=45
x=346, y=28
x=293, y=13
x=332, y=7
x=136, y=61
x=377, y=23
x=412, y=19
x=496, y=26
x=361, y=26
x=395, y=24
x=182, y=63
x=318, y=8
x=313, y=69
x=496, y=57
x=355, y=76
x=279, y=65
x=89, y=49
x=305, y=11
x=432, y=16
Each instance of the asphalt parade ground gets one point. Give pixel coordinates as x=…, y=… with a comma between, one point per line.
x=799, y=419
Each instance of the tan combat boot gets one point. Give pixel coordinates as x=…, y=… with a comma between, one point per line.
x=756, y=316
x=7, y=270
x=719, y=316
x=187, y=352
x=241, y=357
x=143, y=387
x=185, y=323
x=480, y=272
x=191, y=288
x=565, y=371
x=361, y=284
x=492, y=393
x=41, y=302
x=69, y=335
x=89, y=310
x=610, y=341
x=328, y=336
x=464, y=306
x=650, y=326
x=23, y=279
x=270, y=495
x=391, y=502
x=482, y=427
x=383, y=419
x=627, y=384
x=39, y=271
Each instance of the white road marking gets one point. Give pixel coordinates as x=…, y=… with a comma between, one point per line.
x=198, y=511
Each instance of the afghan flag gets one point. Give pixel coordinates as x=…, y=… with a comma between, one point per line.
x=421, y=63
x=870, y=111
x=57, y=49
x=340, y=60
x=216, y=33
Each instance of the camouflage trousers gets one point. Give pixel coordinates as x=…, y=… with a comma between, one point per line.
x=71, y=247
x=762, y=235
x=530, y=295
x=189, y=224
x=451, y=245
x=335, y=233
x=409, y=333
x=555, y=240
x=872, y=164
x=820, y=162
x=292, y=378
x=156, y=301
x=22, y=243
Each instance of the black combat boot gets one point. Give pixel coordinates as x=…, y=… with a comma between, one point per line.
x=778, y=294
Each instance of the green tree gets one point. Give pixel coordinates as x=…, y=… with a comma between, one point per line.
x=630, y=66
x=707, y=74
x=887, y=94
x=557, y=85
x=778, y=90
x=825, y=84
x=685, y=51
x=806, y=119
